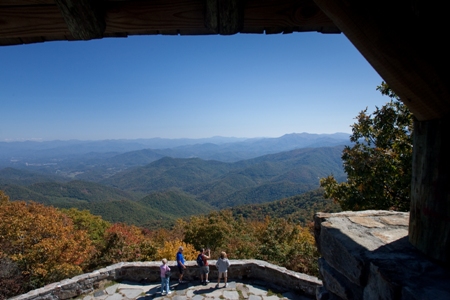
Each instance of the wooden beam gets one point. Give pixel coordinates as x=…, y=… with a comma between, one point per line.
x=85, y=19
x=405, y=48
x=156, y=17
x=31, y=21
x=285, y=16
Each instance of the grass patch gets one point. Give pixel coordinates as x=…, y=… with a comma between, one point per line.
x=272, y=293
x=110, y=283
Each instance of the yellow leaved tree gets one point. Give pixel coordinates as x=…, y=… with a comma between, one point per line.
x=170, y=248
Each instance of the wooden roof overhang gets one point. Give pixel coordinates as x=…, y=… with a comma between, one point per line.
x=32, y=21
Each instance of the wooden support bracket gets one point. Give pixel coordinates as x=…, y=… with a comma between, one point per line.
x=224, y=17
x=85, y=19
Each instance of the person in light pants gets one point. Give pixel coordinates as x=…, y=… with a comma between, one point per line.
x=222, y=265
x=165, y=277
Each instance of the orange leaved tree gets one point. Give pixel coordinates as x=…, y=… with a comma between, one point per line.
x=42, y=242
x=126, y=243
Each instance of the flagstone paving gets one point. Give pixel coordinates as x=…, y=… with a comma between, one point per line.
x=192, y=290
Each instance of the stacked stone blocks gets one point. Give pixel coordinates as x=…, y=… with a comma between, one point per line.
x=367, y=255
x=270, y=274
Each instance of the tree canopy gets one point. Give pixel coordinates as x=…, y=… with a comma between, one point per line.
x=379, y=163
x=42, y=242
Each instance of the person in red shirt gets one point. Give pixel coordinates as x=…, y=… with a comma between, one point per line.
x=204, y=255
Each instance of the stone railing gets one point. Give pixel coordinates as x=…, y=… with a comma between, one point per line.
x=271, y=275
x=366, y=255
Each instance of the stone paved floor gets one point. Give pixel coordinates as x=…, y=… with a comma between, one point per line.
x=192, y=290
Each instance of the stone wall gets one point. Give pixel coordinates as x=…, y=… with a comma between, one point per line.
x=271, y=274
x=367, y=255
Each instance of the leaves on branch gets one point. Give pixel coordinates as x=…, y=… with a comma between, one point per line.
x=379, y=164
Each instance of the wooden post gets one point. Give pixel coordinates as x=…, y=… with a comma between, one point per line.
x=429, y=225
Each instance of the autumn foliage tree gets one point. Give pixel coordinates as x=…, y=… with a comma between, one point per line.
x=379, y=164
x=126, y=243
x=94, y=225
x=276, y=240
x=211, y=231
x=169, y=249
x=42, y=242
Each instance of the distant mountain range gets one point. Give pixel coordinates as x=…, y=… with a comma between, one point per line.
x=51, y=149
x=153, y=187
x=96, y=160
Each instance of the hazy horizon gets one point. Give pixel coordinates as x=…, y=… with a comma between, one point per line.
x=182, y=138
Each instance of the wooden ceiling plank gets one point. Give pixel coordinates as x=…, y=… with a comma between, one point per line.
x=10, y=42
x=84, y=18
x=31, y=21
x=286, y=14
x=152, y=16
x=253, y=30
x=273, y=30
x=33, y=40
x=26, y=2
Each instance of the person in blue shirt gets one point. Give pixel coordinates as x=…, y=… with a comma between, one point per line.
x=180, y=264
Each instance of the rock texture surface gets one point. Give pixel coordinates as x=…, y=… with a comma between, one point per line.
x=366, y=255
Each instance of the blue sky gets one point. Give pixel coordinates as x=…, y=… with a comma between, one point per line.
x=184, y=87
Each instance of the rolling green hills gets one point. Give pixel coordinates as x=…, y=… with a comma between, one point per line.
x=155, y=210
x=168, y=173
x=24, y=177
x=59, y=193
x=169, y=188
x=176, y=203
x=262, y=179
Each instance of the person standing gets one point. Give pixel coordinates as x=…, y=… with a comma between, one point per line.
x=165, y=278
x=202, y=262
x=180, y=264
x=222, y=265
